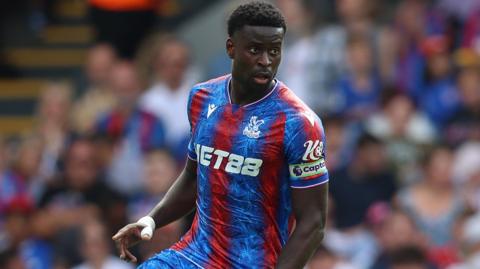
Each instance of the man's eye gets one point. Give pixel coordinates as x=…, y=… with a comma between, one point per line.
x=253, y=50
x=274, y=52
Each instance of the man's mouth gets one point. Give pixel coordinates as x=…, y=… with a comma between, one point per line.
x=262, y=78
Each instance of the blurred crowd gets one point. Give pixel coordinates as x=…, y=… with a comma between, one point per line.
x=396, y=84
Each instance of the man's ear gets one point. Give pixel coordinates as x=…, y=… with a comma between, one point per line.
x=230, y=48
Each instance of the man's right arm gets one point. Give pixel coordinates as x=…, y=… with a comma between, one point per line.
x=180, y=198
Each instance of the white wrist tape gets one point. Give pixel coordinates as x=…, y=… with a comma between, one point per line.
x=149, y=224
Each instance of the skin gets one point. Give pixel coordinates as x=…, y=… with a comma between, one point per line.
x=309, y=207
x=256, y=55
x=256, y=52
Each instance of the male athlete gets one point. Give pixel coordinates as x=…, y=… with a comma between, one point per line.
x=256, y=168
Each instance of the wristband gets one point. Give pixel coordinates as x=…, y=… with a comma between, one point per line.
x=149, y=227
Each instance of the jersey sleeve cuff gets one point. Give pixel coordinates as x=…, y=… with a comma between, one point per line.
x=302, y=183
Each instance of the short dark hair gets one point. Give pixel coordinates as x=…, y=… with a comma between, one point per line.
x=255, y=13
x=367, y=139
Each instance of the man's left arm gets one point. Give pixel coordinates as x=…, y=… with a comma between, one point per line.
x=310, y=210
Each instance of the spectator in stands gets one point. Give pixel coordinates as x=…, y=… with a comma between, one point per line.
x=16, y=233
x=439, y=98
x=463, y=125
x=98, y=96
x=96, y=249
x=123, y=24
x=131, y=129
x=172, y=77
x=366, y=180
x=405, y=131
x=363, y=18
x=433, y=203
x=414, y=20
x=398, y=119
x=356, y=18
x=393, y=230
x=53, y=125
x=20, y=182
x=79, y=195
x=358, y=90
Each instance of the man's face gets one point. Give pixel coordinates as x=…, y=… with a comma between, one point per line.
x=256, y=52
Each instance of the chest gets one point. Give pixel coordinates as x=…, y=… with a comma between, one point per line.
x=238, y=140
x=432, y=206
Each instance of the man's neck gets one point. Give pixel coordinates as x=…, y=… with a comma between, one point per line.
x=241, y=94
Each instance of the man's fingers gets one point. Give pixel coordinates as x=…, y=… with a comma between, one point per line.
x=123, y=237
x=122, y=250
x=120, y=233
x=130, y=256
x=125, y=230
x=117, y=236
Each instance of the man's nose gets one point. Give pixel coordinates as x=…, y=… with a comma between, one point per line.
x=264, y=59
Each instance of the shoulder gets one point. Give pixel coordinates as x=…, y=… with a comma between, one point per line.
x=290, y=99
x=213, y=82
x=204, y=92
x=210, y=86
x=297, y=112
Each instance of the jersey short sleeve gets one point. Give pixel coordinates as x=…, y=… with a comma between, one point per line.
x=191, y=147
x=198, y=99
x=305, y=151
x=196, y=102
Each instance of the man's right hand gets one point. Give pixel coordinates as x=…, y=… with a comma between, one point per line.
x=178, y=202
x=127, y=237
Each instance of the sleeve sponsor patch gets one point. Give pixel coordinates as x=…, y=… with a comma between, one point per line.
x=304, y=170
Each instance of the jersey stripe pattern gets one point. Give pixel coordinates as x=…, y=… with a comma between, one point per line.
x=248, y=159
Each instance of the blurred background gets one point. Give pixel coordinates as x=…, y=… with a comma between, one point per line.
x=93, y=125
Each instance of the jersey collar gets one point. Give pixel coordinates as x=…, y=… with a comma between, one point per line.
x=227, y=92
